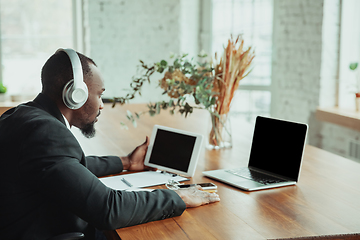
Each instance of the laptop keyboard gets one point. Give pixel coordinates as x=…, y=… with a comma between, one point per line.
x=255, y=176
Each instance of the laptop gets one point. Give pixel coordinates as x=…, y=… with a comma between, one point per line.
x=275, y=158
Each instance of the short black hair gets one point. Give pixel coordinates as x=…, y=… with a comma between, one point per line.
x=57, y=72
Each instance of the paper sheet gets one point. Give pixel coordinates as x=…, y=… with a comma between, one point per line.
x=140, y=179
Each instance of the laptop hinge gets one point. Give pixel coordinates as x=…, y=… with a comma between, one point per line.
x=271, y=174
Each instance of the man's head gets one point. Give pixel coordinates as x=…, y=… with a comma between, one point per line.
x=57, y=72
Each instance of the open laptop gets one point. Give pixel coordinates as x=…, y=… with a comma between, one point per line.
x=275, y=158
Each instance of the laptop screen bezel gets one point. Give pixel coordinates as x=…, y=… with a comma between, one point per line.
x=257, y=134
x=194, y=155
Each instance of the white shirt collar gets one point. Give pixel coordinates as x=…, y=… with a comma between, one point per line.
x=66, y=122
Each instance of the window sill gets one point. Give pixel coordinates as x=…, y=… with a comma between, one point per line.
x=344, y=117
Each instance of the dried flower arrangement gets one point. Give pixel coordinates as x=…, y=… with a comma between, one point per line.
x=211, y=85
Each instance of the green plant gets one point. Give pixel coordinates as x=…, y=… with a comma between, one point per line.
x=353, y=66
x=183, y=80
x=204, y=84
x=2, y=88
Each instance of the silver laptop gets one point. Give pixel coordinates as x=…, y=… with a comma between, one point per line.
x=275, y=158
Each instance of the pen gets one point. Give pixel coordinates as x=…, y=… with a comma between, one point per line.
x=126, y=182
x=172, y=174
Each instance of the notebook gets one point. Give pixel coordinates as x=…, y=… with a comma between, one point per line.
x=275, y=158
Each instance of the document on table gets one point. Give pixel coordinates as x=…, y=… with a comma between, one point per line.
x=140, y=179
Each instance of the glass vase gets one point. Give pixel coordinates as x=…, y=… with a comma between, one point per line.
x=220, y=132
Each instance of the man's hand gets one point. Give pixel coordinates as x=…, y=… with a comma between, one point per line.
x=135, y=160
x=195, y=197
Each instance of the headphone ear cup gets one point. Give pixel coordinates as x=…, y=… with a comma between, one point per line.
x=75, y=92
x=75, y=98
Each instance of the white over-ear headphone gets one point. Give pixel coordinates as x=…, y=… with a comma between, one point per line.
x=75, y=92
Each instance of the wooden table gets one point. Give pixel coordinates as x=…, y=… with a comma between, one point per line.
x=325, y=201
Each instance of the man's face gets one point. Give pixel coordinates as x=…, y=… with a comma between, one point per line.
x=87, y=115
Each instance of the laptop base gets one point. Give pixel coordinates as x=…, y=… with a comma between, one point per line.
x=242, y=183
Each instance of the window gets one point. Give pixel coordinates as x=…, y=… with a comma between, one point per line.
x=253, y=19
x=30, y=32
x=349, y=52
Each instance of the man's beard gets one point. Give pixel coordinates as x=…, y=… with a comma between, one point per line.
x=88, y=130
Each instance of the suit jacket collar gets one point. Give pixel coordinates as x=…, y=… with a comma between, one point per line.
x=48, y=105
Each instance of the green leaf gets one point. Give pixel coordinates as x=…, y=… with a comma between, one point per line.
x=129, y=114
x=188, y=108
x=133, y=121
x=152, y=113
x=177, y=64
x=124, y=126
x=196, y=99
x=2, y=88
x=182, y=85
x=353, y=65
x=202, y=55
x=163, y=63
x=164, y=105
x=160, y=69
x=157, y=108
x=187, y=64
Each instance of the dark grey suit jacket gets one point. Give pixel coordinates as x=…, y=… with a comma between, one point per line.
x=49, y=187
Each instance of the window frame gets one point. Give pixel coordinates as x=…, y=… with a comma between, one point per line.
x=206, y=42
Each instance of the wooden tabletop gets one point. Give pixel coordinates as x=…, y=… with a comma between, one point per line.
x=325, y=201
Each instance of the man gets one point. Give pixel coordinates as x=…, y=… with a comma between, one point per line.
x=48, y=187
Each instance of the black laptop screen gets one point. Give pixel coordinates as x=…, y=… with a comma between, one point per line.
x=172, y=150
x=278, y=146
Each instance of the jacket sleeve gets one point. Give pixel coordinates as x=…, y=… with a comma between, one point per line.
x=74, y=187
x=53, y=162
x=102, y=166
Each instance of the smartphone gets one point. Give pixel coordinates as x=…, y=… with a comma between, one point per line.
x=209, y=187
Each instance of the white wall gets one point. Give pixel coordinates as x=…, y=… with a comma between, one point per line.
x=120, y=33
x=334, y=138
x=305, y=68
x=305, y=52
x=296, y=68
x=297, y=42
